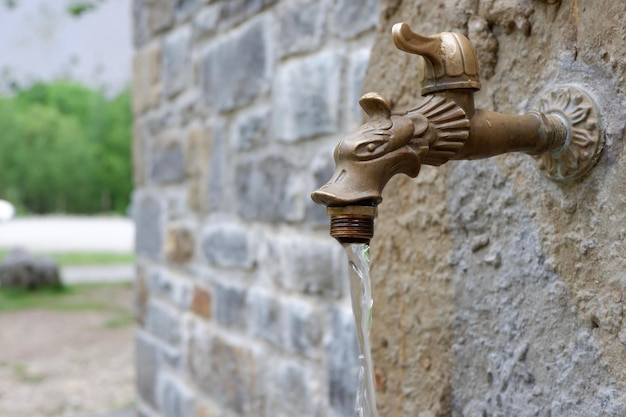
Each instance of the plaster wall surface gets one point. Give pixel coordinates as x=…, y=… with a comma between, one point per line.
x=499, y=292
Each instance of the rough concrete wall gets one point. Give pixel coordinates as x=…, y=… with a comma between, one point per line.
x=498, y=291
x=241, y=294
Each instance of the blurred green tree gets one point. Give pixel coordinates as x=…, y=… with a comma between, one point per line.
x=65, y=148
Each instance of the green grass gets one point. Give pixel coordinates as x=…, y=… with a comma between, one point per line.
x=24, y=375
x=79, y=297
x=120, y=321
x=85, y=258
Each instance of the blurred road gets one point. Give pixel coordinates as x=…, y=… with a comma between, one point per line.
x=68, y=234
x=84, y=274
x=74, y=234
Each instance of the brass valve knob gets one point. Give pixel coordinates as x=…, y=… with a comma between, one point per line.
x=448, y=59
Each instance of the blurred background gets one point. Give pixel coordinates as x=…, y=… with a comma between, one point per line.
x=160, y=255
x=66, y=255
x=163, y=257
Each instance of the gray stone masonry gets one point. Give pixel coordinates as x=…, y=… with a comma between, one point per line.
x=237, y=69
x=241, y=295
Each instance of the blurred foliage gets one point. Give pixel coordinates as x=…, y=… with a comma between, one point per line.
x=79, y=7
x=65, y=148
x=73, y=8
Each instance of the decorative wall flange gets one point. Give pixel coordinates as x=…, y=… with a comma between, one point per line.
x=584, y=141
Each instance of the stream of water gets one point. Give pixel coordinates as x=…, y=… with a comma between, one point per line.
x=361, y=292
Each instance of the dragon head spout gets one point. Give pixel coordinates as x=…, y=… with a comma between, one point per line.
x=367, y=158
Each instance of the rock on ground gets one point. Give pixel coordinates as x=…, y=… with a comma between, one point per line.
x=23, y=270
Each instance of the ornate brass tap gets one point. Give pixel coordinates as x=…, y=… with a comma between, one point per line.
x=563, y=134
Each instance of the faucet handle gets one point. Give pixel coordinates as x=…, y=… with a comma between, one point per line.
x=448, y=59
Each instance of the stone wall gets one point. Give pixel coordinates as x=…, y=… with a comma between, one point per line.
x=497, y=291
x=501, y=292
x=241, y=295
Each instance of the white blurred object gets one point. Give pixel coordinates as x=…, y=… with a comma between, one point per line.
x=7, y=211
x=47, y=234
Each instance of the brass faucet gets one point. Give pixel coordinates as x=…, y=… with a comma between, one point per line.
x=563, y=134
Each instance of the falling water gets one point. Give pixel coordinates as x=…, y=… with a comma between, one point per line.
x=361, y=291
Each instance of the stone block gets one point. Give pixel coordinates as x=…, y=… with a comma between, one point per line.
x=141, y=293
x=300, y=27
x=236, y=381
x=230, y=305
x=160, y=14
x=269, y=189
x=144, y=411
x=291, y=391
x=227, y=371
x=310, y=266
x=198, y=153
x=208, y=409
x=176, y=288
x=251, y=129
x=157, y=281
x=163, y=322
x=188, y=106
x=304, y=328
x=148, y=215
x=168, y=164
x=146, y=77
x=176, y=66
x=179, y=244
x=266, y=317
x=352, y=18
x=151, y=17
x=140, y=152
x=236, y=70
x=228, y=245
x=205, y=22
x=198, y=349
x=175, y=199
x=201, y=303
x=356, y=73
x=174, y=397
x=186, y=8
x=146, y=368
x=158, y=122
x=306, y=96
x=322, y=169
x=218, y=171
x=342, y=354
x=234, y=12
x=140, y=23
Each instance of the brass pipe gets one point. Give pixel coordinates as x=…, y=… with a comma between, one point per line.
x=494, y=133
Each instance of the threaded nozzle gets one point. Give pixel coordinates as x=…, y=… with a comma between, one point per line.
x=352, y=224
